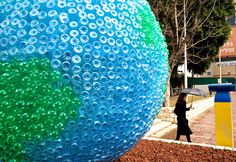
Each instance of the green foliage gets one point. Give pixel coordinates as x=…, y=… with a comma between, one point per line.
x=31, y=108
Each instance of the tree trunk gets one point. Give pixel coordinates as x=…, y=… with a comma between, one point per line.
x=166, y=102
x=171, y=91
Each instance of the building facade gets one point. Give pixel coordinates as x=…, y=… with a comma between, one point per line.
x=226, y=62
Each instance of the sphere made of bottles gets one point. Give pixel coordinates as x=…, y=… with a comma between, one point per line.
x=80, y=80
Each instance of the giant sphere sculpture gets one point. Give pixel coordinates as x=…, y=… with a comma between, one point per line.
x=80, y=80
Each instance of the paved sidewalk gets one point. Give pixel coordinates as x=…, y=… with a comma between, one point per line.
x=203, y=127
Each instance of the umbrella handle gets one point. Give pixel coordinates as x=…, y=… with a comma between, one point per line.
x=192, y=103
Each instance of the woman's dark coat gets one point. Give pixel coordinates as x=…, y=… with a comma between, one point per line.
x=180, y=111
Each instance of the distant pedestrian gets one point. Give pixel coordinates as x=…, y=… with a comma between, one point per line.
x=182, y=122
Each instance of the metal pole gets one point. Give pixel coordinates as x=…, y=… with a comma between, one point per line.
x=185, y=52
x=220, y=68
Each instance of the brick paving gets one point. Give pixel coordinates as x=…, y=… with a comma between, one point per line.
x=203, y=126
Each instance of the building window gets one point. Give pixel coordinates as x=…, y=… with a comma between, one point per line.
x=208, y=73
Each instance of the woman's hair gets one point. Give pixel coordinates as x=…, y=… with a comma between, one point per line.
x=181, y=97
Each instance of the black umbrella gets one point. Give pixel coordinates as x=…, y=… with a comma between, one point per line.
x=194, y=91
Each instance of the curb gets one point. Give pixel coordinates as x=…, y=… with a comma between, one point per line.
x=194, y=144
x=158, y=126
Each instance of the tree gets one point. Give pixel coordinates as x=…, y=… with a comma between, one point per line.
x=207, y=30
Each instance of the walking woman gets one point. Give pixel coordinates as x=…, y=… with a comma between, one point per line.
x=182, y=121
